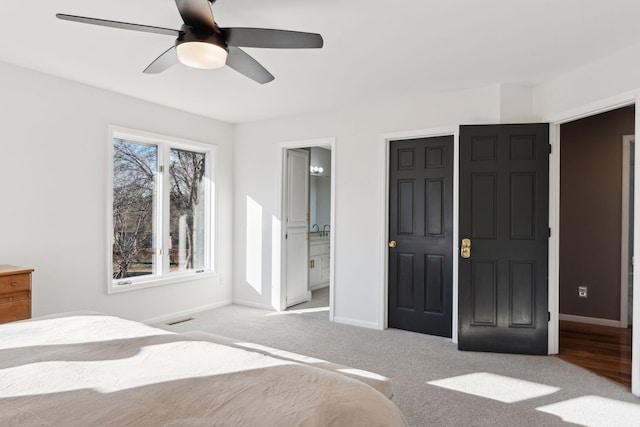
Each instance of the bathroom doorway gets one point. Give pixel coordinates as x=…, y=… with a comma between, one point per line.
x=317, y=270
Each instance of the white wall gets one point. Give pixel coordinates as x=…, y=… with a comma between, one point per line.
x=609, y=77
x=257, y=163
x=53, y=171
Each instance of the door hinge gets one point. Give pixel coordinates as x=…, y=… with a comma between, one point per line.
x=286, y=236
x=550, y=148
x=548, y=316
x=161, y=168
x=549, y=231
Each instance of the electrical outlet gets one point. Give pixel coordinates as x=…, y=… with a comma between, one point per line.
x=582, y=291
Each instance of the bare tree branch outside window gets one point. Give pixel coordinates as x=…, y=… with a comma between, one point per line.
x=134, y=199
x=134, y=191
x=187, y=214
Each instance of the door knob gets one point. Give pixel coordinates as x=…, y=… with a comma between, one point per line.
x=465, y=248
x=393, y=244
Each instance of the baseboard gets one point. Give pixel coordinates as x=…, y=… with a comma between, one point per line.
x=319, y=286
x=355, y=322
x=188, y=312
x=590, y=320
x=253, y=304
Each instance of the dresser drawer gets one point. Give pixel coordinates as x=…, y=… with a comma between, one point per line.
x=15, y=283
x=19, y=308
x=14, y=297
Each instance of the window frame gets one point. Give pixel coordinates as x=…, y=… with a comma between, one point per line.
x=163, y=276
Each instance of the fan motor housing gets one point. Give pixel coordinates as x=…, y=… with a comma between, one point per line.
x=190, y=34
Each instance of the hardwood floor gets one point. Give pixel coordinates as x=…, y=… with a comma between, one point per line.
x=603, y=350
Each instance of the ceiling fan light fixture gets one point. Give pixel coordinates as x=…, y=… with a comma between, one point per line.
x=203, y=55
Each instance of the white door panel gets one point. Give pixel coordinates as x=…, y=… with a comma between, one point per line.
x=297, y=226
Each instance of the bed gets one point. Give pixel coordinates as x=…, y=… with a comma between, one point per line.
x=89, y=369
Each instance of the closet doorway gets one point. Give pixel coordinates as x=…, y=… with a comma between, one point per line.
x=596, y=241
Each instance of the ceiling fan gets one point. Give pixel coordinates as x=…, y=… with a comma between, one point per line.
x=201, y=43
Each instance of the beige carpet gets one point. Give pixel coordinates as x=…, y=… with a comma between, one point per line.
x=434, y=383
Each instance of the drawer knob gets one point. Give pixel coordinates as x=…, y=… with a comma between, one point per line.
x=10, y=298
x=14, y=284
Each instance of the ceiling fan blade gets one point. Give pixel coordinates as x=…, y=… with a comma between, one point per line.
x=240, y=61
x=117, y=24
x=269, y=38
x=196, y=13
x=168, y=59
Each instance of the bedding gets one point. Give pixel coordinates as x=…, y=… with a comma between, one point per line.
x=88, y=369
x=380, y=383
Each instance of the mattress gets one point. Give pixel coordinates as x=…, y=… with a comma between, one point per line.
x=88, y=369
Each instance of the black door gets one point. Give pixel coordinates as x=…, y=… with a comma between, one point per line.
x=420, y=235
x=504, y=212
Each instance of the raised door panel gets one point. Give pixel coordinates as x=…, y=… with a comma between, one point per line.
x=406, y=289
x=434, y=207
x=297, y=188
x=483, y=206
x=297, y=277
x=522, y=206
x=434, y=284
x=405, y=208
x=522, y=293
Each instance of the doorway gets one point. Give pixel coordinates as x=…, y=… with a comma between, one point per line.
x=308, y=268
x=596, y=229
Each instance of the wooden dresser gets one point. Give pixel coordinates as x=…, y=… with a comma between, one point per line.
x=15, y=293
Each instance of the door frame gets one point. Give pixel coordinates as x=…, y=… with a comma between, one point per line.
x=383, y=214
x=279, y=266
x=624, y=237
x=555, y=120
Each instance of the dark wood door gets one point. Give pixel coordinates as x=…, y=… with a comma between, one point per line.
x=504, y=212
x=421, y=225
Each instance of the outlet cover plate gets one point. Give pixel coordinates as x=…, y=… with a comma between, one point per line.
x=582, y=291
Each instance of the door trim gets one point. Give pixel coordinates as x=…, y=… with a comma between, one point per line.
x=586, y=110
x=624, y=237
x=278, y=261
x=383, y=219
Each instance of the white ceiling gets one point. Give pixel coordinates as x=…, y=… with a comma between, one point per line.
x=373, y=49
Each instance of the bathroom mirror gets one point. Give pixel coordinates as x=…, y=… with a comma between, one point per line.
x=319, y=202
x=320, y=190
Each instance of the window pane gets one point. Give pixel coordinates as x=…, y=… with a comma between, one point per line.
x=187, y=210
x=134, y=194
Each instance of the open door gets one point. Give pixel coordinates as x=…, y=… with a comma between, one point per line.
x=297, y=226
x=504, y=231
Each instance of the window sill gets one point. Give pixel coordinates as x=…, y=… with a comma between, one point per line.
x=161, y=281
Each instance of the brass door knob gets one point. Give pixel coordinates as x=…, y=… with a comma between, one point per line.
x=465, y=248
x=393, y=244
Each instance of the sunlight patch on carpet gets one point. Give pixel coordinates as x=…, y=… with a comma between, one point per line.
x=595, y=411
x=300, y=311
x=495, y=387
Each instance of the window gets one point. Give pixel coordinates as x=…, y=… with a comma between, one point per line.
x=160, y=224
